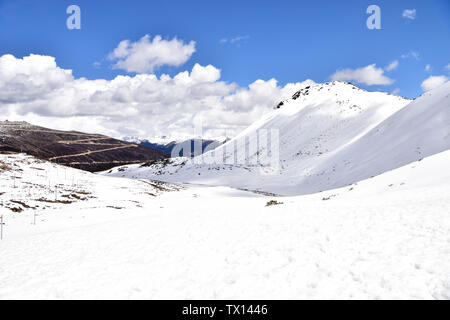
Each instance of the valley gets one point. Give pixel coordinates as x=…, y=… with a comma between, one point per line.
x=358, y=208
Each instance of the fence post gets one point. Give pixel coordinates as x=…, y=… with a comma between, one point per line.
x=1, y=227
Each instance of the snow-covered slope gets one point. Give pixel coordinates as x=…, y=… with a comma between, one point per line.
x=417, y=131
x=29, y=185
x=330, y=135
x=382, y=238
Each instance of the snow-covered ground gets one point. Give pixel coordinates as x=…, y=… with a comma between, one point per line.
x=28, y=185
x=385, y=237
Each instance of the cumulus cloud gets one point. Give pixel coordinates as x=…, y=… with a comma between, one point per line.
x=370, y=75
x=205, y=74
x=35, y=89
x=22, y=80
x=146, y=55
x=393, y=65
x=433, y=82
x=409, y=14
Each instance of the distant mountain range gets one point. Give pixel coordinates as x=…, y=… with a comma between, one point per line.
x=185, y=148
x=90, y=152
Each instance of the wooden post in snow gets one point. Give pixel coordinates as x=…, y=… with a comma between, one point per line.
x=1, y=227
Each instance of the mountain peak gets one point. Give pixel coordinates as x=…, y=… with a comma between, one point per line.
x=329, y=90
x=14, y=123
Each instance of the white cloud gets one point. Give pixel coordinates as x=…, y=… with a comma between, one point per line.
x=409, y=14
x=447, y=67
x=239, y=38
x=411, y=54
x=396, y=91
x=146, y=55
x=236, y=39
x=35, y=89
x=22, y=80
x=427, y=68
x=370, y=75
x=433, y=81
x=393, y=65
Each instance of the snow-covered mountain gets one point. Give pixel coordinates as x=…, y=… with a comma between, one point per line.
x=184, y=148
x=330, y=135
x=178, y=148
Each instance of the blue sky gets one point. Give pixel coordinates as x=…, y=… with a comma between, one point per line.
x=153, y=68
x=287, y=40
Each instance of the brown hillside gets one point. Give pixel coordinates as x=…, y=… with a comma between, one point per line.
x=91, y=152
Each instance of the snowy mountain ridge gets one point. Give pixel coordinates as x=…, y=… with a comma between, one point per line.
x=330, y=135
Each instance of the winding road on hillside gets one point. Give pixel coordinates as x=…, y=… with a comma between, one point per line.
x=91, y=152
